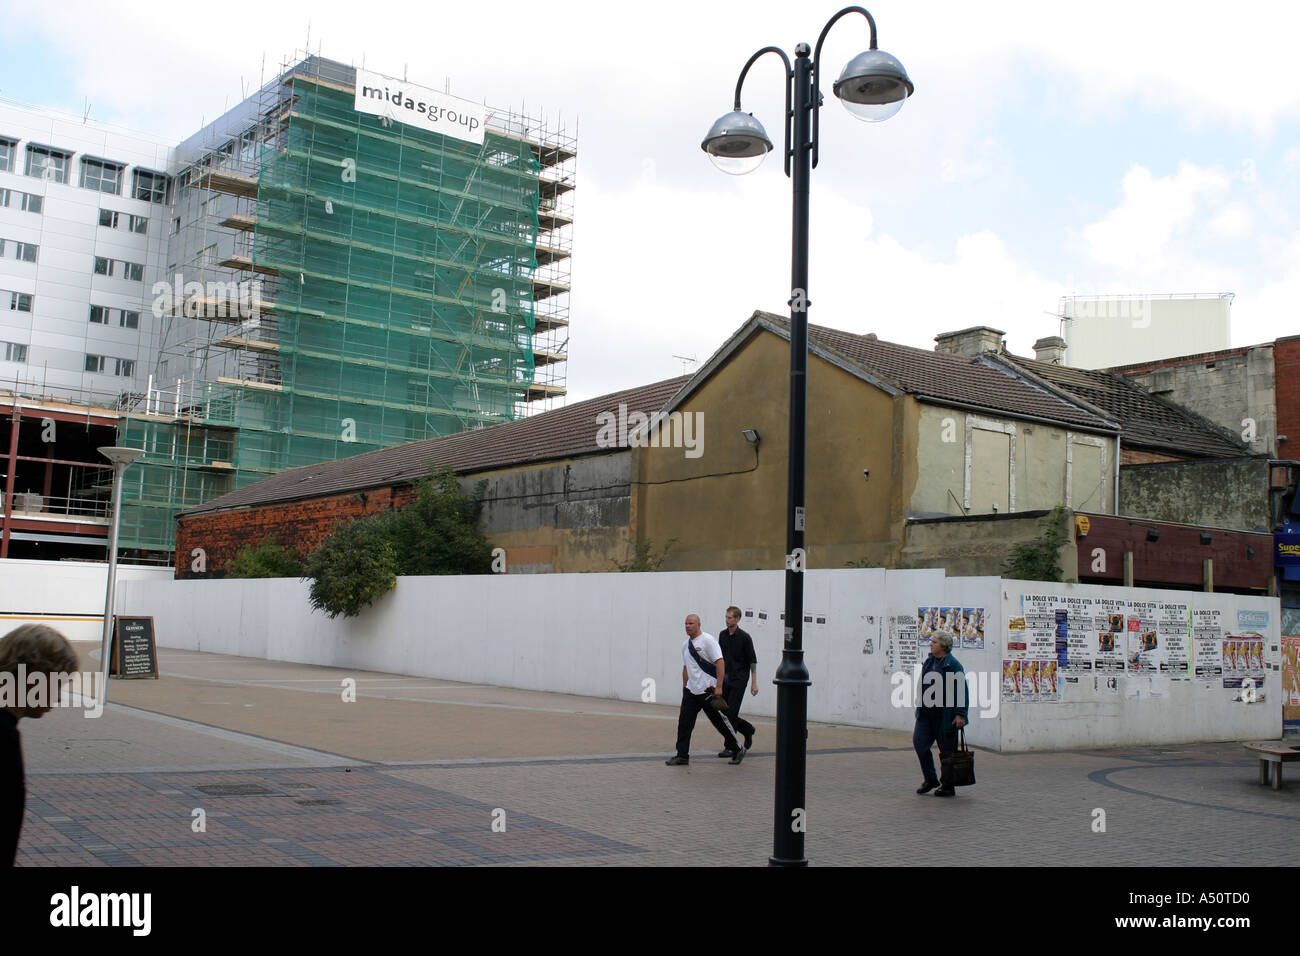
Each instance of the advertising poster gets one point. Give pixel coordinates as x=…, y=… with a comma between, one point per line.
x=1040, y=625
x=1173, y=631
x=1011, y=680
x=1146, y=653
x=905, y=642
x=1079, y=640
x=1290, y=677
x=1111, y=636
x=1243, y=656
x=1207, y=644
x=972, y=630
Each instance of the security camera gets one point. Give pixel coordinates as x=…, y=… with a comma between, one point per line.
x=866, y=472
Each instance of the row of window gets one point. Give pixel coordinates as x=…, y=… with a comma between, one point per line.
x=104, y=364
x=101, y=175
x=16, y=301
x=22, y=251
x=114, y=220
x=109, y=365
x=27, y=202
x=132, y=271
x=103, y=315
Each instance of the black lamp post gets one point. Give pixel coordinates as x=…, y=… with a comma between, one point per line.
x=873, y=87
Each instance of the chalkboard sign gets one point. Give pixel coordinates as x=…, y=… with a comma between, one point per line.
x=134, y=653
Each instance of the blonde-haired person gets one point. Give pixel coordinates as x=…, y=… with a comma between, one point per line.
x=36, y=649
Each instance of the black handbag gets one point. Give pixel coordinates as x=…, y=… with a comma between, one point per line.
x=960, y=763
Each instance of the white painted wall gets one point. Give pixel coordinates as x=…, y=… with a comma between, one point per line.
x=66, y=595
x=604, y=634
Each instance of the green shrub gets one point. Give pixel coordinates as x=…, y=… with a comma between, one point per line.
x=353, y=567
x=436, y=533
x=266, y=559
x=1039, y=560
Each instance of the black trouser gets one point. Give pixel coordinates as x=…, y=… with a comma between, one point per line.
x=929, y=728
x=734, y=691
x=692, y=704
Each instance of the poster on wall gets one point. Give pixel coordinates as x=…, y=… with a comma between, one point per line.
x=1110, y=635
x=1291, y=677
x=904, y=642
x=1207, y=644
x=1173, y=631
x=1243, y=656
x=972, y=629
x=1146, y=652
x=1078, y=641
x=1011, y=680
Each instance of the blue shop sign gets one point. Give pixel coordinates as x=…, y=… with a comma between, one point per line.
x=1286, y=549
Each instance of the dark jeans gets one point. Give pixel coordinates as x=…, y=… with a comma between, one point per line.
x=692, y=704
x=734, y=691
x=929, y=728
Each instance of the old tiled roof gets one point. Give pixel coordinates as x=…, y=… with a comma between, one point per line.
x=562, y=433
x=1149, y=421
x=947, y=378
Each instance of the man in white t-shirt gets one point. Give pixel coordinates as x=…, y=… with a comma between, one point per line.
x=698, y=685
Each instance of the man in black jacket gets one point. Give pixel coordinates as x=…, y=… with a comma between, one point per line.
x=36, y=649
x=741, y=664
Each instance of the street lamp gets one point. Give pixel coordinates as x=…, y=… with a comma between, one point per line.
x=873, y=87
x=121, y=459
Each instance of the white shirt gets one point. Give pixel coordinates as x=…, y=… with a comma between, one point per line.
x=706, y=645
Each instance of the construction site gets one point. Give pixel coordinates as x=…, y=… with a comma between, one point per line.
x=337, y=281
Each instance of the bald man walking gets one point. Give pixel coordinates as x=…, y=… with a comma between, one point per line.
x=702, y=676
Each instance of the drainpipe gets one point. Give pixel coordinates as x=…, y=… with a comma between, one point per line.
x=1117, y=451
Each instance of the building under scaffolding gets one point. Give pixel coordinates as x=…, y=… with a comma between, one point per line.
x=340, y=281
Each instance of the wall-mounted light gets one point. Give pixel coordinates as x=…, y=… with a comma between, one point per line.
x=1205, y=537
x=1250, y=554
x=1153, y=534
x=751, y=436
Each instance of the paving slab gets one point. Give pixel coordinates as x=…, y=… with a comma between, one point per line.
x=228, y=761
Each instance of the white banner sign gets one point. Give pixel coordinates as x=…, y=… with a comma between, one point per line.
x=415, y=106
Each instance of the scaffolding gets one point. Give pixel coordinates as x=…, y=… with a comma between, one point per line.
x=345, y=282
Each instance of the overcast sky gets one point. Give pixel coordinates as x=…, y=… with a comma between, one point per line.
x=1050, y=149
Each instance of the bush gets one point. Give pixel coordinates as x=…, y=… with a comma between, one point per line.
x=266, y=559
x=353, y=567
x=436, y=533
x=644, y=558
x=1039, y=560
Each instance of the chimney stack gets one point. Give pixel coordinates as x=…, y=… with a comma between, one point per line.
x=973, y=341
x=1050, y=350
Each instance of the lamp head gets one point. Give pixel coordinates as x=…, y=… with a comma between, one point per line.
x=873, y=86
x=120, y=456
x=737, y=143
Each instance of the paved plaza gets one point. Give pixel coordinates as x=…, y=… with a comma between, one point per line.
x=229, y=761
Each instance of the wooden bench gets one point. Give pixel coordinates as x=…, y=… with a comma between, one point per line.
x=1273, y=752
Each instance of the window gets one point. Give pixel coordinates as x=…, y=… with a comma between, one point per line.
x=139, y=224
x=151, y=187
x=5, y=195
x=94, y=363
x=176, y=225
x=99, y=314
x=128, y=320
x=8, y=147
x=101, y=176
x=22, y=251
x=124, y=367
x=48, y=164
x=18, y=301
x=103, y=267
x=15, y=352
x=27, y=202
x=32, y=202
x=133, y=271
x=108, y=217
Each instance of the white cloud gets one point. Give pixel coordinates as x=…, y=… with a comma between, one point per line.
x=1135, y=235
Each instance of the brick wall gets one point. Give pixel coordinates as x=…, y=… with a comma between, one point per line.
x=297, y=525
x=1286, y=374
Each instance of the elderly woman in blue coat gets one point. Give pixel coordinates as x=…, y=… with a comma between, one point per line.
x=942, y=712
